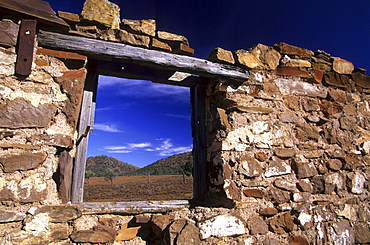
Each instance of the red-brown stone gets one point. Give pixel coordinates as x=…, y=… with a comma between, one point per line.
x=361, y=79
x=61, y=54
x=298, y=240
x=22, y=161
x=183, y=49
x=318, y=76
x=338, y=95
x=337, y=80
x=253, y=193
x=291, y=71
x=69, y=16
x=268, y=211
x=285, y=48
x=156, y=44
x=330, y=108
x=281, y=223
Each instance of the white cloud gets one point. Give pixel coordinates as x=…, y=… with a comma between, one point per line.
x=180, y=116
x=164, y=148
x=107, y=128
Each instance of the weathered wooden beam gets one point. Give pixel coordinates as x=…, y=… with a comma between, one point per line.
x=110, y=51
x=133, y=207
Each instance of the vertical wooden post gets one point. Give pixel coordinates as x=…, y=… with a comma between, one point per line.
x=197, y=94
x=85, y=125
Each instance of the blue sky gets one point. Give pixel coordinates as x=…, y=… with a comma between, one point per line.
x=139, y=122
x=339, y=27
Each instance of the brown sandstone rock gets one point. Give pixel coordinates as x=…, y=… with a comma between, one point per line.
x=318, y=184
x=291, y=102
x=257, y=225
x=127, y=233
x=72, y=82
x=361, y=79
x=22, y=161
x=362, y=234
x=310, y=104
x=342, y=66
x=183, y=49
x=172, y=37
x=247, y=59
x=252, y=167
x=304, y=169
x=159, y=223
x=70, y=17
x=337, y=80
x=19, y=113
x=305, y=132
x=305, y=185
x=266, y=55
x=103, y=12
x=298, y=63
x=298, y=240
x=156, y=44
x=331, y=108
x=338, y=95
x=9, y=31
x=173, y=230
x=277, y=167
x=222, y=56
x=290, y=71
x=284, y=152
x=59, y=231
x=285, y=48
x=281, y=223
x=334, y=164
x=9, y=216
x=288, y=117
x=147, y=27
x=253, y=193
x=54, y=140
x=277, y=196
x=90, y=236
x=133, y=39
x=268, y=211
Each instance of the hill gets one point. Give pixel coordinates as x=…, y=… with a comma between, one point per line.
x=99, y=164
x=166, y=166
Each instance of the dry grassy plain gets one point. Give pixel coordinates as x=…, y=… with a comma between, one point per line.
x=138, y=188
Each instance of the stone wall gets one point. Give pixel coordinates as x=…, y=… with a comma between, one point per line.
x=287, y=151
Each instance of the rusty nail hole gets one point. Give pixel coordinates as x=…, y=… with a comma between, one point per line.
x=25, y=59
x=27, y=32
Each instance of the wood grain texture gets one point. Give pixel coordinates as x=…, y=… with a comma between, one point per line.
x=110, y=51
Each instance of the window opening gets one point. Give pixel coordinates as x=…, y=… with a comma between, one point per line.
x=140, y=147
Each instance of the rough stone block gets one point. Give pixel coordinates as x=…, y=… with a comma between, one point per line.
x=253, y=193
x=8, y=33
x=172, y=37
x=127, y=233
x=268, y=211
x=147, y=27
x=90, y=236
x=297, y=87
x=20, y=113
x=291, y=71
x=285, y=48
x=61, y=54
x=251, y=167
x=9, y=216
x=257, y=225
x=133, y=39
x=189, y=235
x=247, y=59
x=221, y=56
x=24, y=160
x=70, y=17
x=59, y=214
x=103, y=12
x=362, y=234
x=277, y=167
x=361, y=79
x=337, y=80
x=221, y=226
x=156, y=44
x=285, y=152
x=304, y=169
x=281, y=223
x=342, y=66
x=54, y=140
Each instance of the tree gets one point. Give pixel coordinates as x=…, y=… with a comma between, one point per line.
x=109, y=175
x=187, y=168
x=88, y=175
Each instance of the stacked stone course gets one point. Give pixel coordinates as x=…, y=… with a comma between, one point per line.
x=287, y=151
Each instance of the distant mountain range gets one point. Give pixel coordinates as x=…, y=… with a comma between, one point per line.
x=167, y=166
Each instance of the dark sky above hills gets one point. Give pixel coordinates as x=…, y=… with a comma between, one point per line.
x=123, y=129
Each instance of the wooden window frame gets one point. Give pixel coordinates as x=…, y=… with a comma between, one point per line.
x=121, y=60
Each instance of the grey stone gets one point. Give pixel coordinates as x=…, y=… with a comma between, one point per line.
x=9, y=216
x=288, y=117
x=341, y=233
x=60, y=213
x=189, y=235
x=362, y=234
x=20, y=113
x=285, y=184
x=284, y=152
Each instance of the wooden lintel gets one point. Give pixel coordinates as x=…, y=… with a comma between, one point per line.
x=138, y=72
x=110, y=51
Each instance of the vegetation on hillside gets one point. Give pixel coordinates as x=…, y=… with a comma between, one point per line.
x=173, y=165
x=99, y=164
x=168, y=166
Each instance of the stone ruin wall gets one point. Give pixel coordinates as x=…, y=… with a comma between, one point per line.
x=287, y=151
